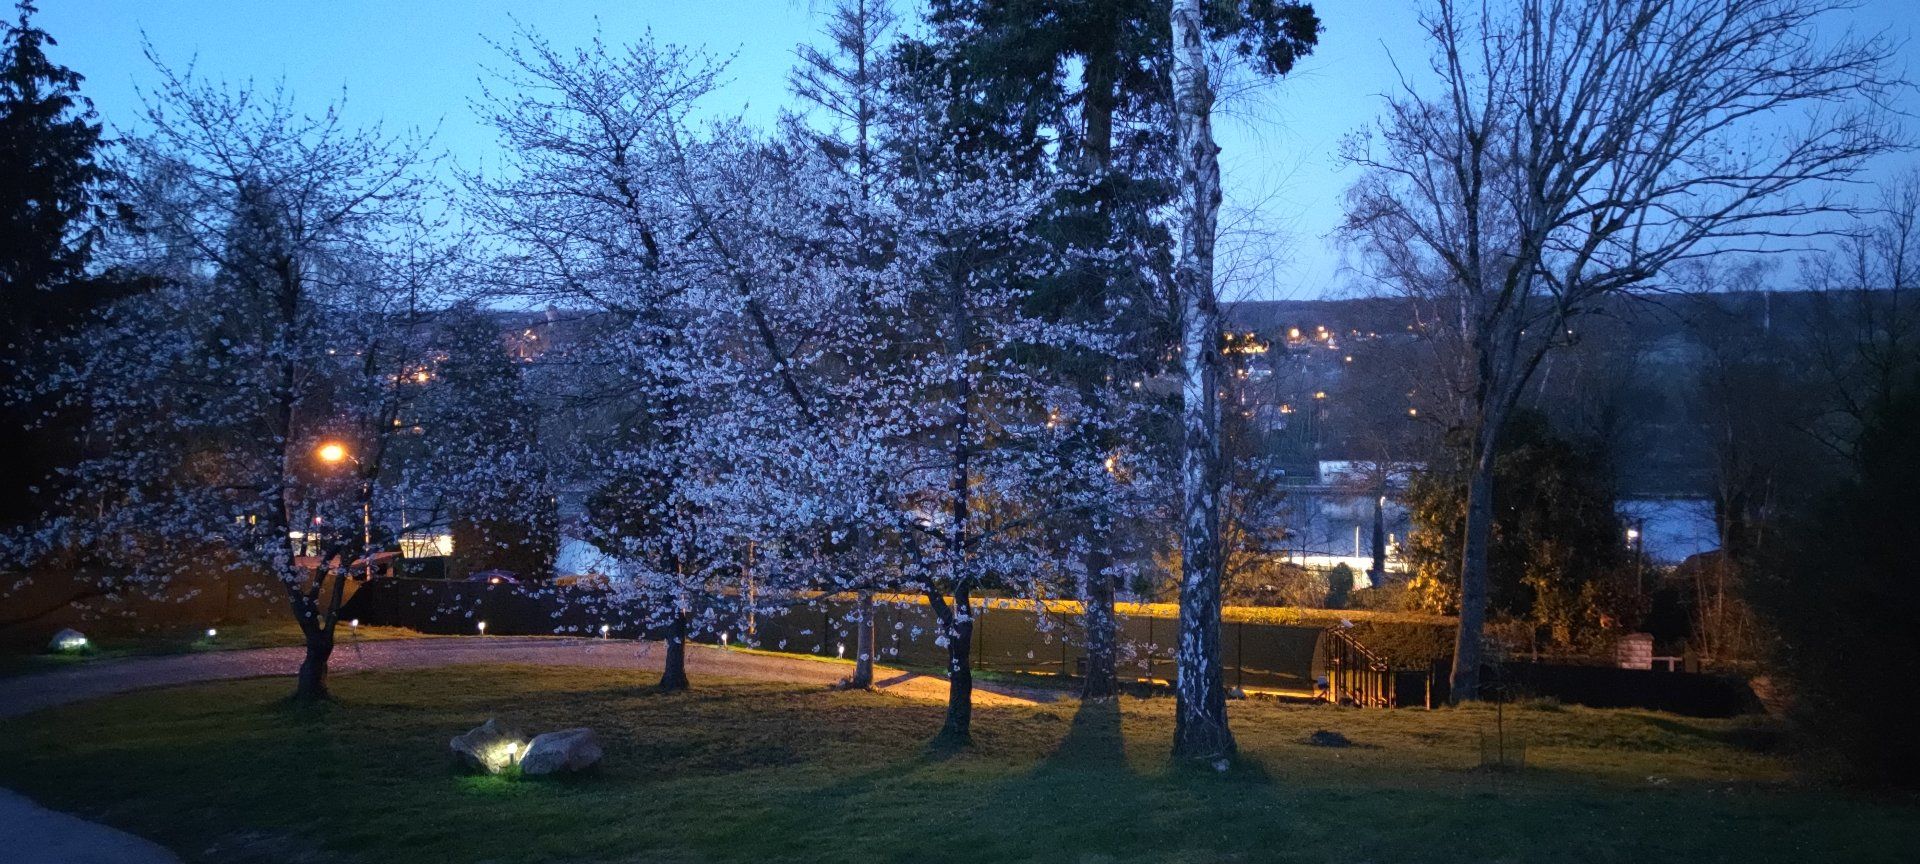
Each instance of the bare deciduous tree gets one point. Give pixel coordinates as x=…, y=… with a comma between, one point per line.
x=1575, y=149
x=1864, y=336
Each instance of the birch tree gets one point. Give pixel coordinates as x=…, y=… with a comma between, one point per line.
x=1568, y=150
x=1083, y=84
x=1200, y=718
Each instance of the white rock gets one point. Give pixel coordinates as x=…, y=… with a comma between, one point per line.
x=68, y=640
x=492, y=746
x=569, y=750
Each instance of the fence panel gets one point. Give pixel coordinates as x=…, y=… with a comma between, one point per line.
x=1006, y=639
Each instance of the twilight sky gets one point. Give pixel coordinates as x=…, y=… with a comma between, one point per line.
x=418, y=62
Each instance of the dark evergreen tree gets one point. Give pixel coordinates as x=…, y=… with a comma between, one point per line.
x=51, y=213
x=1012, y=60
x=1841, y=600
x=848, y=84
x=483, y=433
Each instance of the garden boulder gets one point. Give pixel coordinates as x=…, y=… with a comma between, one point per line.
x=565, y=751
x=492, y=747
x=67, y=640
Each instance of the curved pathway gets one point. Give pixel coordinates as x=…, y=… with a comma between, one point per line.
x=36, y=835
x=42, y=836
x=28, y=693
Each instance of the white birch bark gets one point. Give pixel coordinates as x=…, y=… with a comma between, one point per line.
x=1200, y=726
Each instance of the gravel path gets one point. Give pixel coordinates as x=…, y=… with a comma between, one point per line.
x=28, y=693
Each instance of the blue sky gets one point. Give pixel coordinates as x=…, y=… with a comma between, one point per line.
x=418, y=62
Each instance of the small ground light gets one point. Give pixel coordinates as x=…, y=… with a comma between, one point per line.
x=212, y=632
x=603, y=631
x=723, y=640
x=355, y=623
x=483, y=628
x=841, y=652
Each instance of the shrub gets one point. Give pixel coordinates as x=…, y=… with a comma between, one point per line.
x=1843, y=603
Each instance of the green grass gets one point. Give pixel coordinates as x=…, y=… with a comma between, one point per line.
x=24, y=659
x=753, y=772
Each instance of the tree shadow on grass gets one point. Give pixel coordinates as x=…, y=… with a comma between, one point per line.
x=1752, y=734
x=1084, y=798
x=1094, y=740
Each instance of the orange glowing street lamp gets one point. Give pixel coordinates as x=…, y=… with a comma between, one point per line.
x=334, y=453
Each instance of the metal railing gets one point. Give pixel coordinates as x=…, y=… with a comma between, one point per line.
x=1355, y=675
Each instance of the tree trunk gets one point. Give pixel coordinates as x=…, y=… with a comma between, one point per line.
x=958, y=728
x=1098, y=101
x=673, y=671
x=1469, y=640
x=311, y=684
x=1200, y=720
x=863, y=646
x=1098, y=618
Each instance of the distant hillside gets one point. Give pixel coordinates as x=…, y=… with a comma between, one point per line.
x=1351, y=374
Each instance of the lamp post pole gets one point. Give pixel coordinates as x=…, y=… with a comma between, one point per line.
x=366, y=525
x=334, y=453
x=1637, y=537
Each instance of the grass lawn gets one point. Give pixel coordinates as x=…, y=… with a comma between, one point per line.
x=21, y=659
x=754, y=772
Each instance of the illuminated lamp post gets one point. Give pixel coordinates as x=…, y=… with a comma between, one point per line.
x=335, y=453
x=1636, y=539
